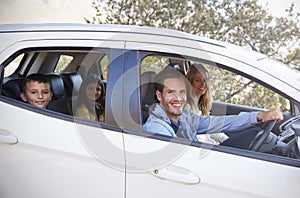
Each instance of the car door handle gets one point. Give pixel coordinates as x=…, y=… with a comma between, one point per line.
x=7, y=137
x=176, y=173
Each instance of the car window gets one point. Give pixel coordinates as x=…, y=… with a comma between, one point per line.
x=63, y=62
x=226, y=86
x=231, y=92
x=13, y=65
x=67, y=70
x=104, y=62
x=154, y=63
x=233, y=88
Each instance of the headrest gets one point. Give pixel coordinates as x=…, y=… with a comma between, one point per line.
x=175, y=66
x=57, y=85
x=147, y=87
x=72, y=82
x=13, y=88
x=148, y=96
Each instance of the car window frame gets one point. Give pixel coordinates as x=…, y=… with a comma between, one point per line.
x=117, y=58
x=177, y=140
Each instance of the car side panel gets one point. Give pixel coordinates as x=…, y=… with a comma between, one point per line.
x=57, y=155
x=198, y=171
x=55, y=158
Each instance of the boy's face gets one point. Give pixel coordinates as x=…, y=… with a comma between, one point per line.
x=37, y=94
x=173, y=98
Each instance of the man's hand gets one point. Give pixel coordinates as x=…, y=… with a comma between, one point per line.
x=273, y=114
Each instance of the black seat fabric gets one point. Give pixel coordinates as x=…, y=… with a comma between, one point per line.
x=72, y=82
x=13, y=88
x=59, y=99
x=147, y=93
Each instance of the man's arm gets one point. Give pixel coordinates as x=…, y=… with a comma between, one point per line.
x=232, y=123
x=273, y=114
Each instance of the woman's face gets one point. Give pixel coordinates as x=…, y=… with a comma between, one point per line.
x=93, y=91
x=199, y=83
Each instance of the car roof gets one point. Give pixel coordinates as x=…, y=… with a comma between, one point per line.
x=91, y=27
x=81, y=27
x=129, y=29
x=254, y=58
x=69, y=27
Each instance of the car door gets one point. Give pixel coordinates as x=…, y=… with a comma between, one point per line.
x=48, y=154
x=161, y=166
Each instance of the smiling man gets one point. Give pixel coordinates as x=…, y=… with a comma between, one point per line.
x=37, y=90
x=173, y=97
x=169, y=116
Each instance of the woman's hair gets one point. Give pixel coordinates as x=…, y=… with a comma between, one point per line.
x=205, y=101
x=99, y=102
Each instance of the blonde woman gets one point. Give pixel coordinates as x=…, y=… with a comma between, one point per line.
x=200, y=100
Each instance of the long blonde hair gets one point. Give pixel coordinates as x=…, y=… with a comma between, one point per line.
x=204, y=103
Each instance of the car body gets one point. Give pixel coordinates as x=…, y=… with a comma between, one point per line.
x=52, y=153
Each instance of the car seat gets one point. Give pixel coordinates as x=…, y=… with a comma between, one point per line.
x=59, y=99
x=72, y=82
x=13, y=88
x=148, y=96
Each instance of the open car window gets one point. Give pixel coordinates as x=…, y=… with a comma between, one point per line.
x=232, y=88
x=231, y=91
x=66, y=68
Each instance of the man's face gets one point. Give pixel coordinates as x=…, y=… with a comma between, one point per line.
x=37, y=94
x=173, y=97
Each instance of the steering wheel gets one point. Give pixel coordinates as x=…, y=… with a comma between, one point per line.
x=259, y=139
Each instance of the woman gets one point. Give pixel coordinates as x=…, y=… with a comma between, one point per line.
x=91, y=99
x=200, y=100
x=198, y=76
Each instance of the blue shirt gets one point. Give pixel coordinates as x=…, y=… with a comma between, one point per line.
x=192, y=124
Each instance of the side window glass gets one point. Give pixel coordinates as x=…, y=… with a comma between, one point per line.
x=90, y=102
x=232, y=88
x=77, y=78
x=63, y=62
x=12, y=66
x=104, y=62
x=154, y=63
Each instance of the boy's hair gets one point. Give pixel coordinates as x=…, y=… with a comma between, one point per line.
x=40, y=78
x=167, y=72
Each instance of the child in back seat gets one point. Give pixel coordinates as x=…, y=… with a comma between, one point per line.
x=37, y=90
x=91, y=99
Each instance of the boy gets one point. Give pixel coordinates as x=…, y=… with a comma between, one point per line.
x=37, y=90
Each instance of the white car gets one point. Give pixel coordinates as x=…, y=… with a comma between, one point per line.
x=51, y=153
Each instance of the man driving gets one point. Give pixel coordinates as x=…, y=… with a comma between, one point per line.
x=169, y=116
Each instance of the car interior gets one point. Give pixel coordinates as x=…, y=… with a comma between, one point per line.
x=65, y=84
x=274, y=138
